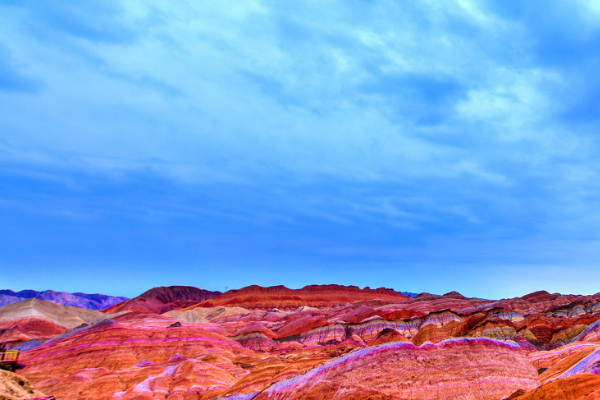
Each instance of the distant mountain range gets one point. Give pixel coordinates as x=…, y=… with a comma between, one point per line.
x=81, y=300
x=410, y=294
x=101, y=301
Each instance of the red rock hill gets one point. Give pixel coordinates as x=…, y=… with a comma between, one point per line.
x=164, y=298
x=319, y=296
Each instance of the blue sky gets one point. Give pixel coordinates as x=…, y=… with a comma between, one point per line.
x=420, y=145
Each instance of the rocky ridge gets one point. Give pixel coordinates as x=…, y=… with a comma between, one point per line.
x=34, y=319
x=539, y=343
x=312, y=296
x=162, y=299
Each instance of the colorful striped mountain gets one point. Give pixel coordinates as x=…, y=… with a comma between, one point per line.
x=318, y=342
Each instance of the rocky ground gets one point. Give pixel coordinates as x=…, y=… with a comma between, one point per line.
x=16, y=387
x=319, y=342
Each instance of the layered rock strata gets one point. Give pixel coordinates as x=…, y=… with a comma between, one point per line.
x=162, y=299
x=256, y=342
x=38, y=319
x=454, y=369
x=312, y=296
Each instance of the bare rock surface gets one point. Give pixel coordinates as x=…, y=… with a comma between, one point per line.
x=578, y=387
x=200, y=314
x=39, y=319
x=165, y=298
x=313, y=296
x=16, y=387
x=325, y=341
x=455, y=369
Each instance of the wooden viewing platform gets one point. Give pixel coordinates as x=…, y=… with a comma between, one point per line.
x=10, y=358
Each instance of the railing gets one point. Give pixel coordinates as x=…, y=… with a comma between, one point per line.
x=10, y=356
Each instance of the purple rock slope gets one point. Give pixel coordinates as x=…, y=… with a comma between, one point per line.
x=82, y=300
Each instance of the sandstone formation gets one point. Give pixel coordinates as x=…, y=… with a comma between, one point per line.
x=454, y=369
x=162, y=299
x=39, y=319
x=131, y=353
x=313, y=296
x=578, y=387
x=319, y=342
x=16, y=387
x=200, y=314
